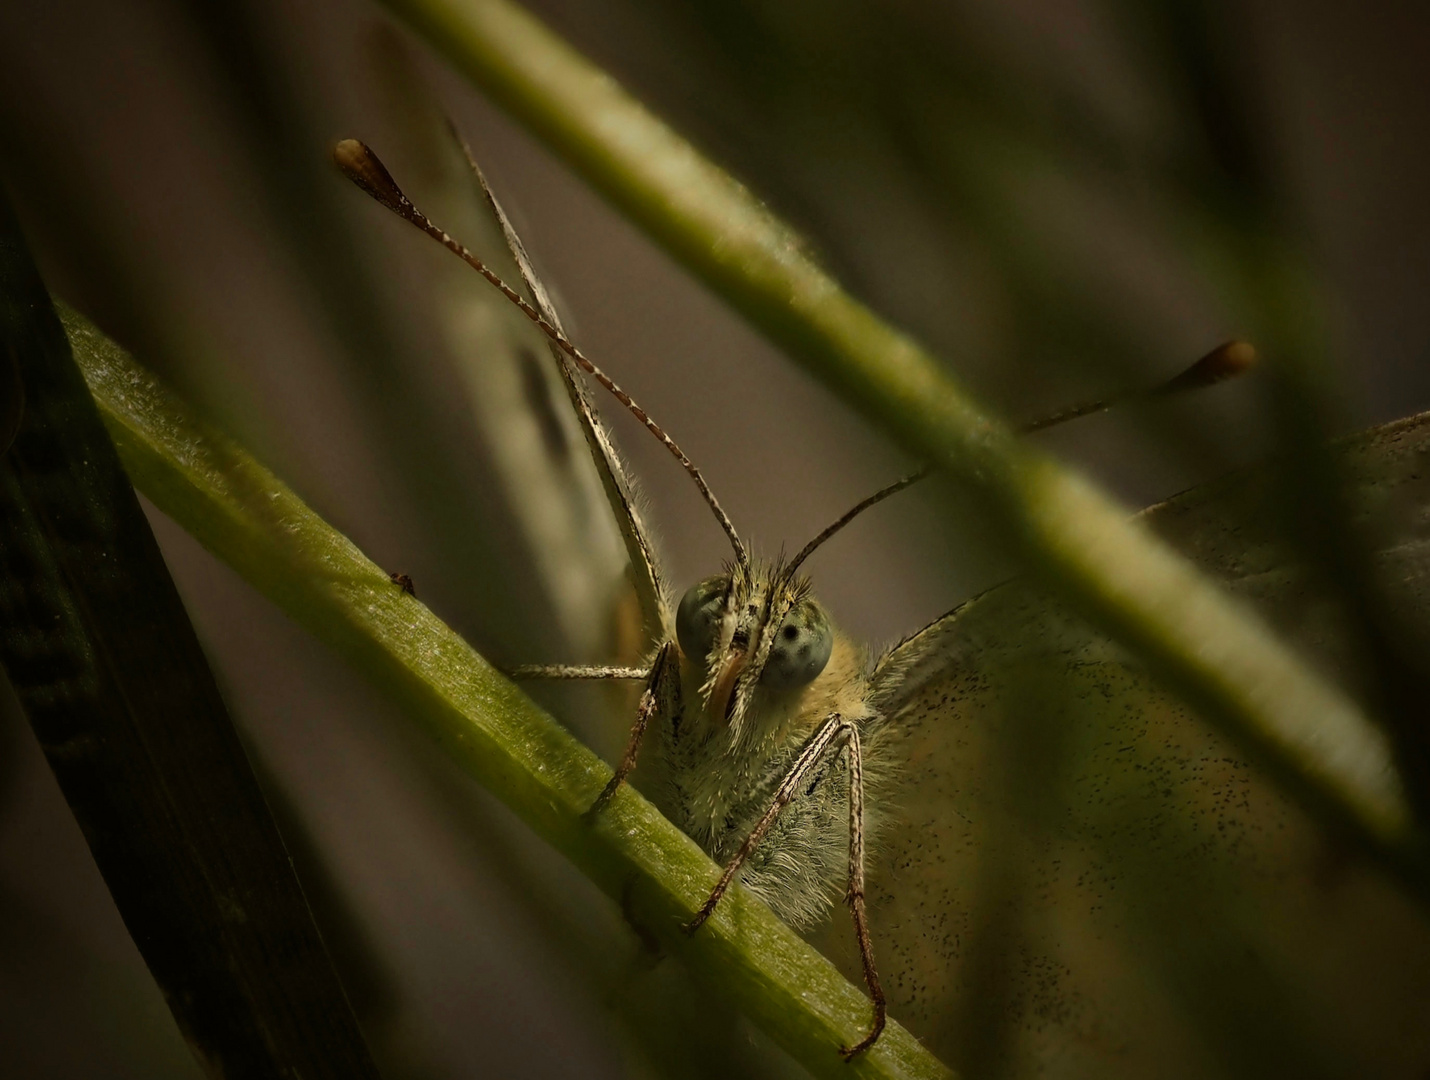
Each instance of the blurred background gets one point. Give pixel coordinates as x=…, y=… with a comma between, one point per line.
x=1050, y=193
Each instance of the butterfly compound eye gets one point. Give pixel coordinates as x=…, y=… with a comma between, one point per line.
x=801, y=648
x=697, y=620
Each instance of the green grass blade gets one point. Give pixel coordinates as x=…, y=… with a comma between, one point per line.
x=249, y=519
x=1209, y=647
x=113, y=681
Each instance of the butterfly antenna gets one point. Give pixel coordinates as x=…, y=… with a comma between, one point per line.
x=1224, y=362
x=360, y=165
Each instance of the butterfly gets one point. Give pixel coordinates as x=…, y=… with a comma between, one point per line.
x=793, y=760
x=1091, y=882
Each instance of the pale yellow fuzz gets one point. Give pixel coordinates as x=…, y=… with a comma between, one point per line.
x=722, y=777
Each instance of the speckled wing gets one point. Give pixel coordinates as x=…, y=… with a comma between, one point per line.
x=1088, y=881
x=617, y=484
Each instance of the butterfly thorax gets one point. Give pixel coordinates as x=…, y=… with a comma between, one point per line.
x=738, y=726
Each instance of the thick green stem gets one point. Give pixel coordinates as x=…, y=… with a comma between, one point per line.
x=1080, y=541
x=249, y=519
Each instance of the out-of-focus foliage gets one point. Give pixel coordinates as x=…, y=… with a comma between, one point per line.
x=109, y=671
x=248, y=518
x=1086, y=881
x=1059, y=198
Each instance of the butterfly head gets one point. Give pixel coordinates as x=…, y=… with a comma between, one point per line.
x=753, y=633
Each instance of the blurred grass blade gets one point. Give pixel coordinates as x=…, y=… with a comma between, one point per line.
x=1270, y=283
x=111, y=676
x=248, y=518
x=12, y=404
x=1208, y=647
x=532, y=435
x=421, y=444
x=1124, y=871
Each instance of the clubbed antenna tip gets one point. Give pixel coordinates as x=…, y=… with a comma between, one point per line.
x=1224, y=362
x=360, y=165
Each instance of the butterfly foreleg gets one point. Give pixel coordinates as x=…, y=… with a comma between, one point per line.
x=855, y=895
x=663, y=679
x=577, y=671
x=829, y=734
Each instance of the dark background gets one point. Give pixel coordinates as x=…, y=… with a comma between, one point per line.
x=1002, y=179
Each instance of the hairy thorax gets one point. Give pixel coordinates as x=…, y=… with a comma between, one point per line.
x=722, y=778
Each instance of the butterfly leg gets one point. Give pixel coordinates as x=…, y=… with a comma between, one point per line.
x=830, y=732
x=576, y=671
x=657, y=689
x=856, y=894
x=662, y=684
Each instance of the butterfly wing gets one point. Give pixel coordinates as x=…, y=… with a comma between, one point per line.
x=1087, y=880
x=615, y=481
